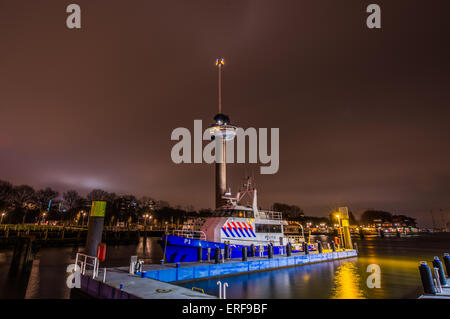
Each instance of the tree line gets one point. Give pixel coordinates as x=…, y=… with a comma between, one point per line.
x=24, y=204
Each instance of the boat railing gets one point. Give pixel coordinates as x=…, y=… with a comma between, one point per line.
x=270, y=215
x=86, y=260
x=194, y=234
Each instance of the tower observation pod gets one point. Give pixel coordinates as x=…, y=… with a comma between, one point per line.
x=222, y=131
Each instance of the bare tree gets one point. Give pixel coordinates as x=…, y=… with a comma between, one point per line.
x=72, y=200
x=6, y=195
x=44, y=196
x=23, y=198
x=146, y=204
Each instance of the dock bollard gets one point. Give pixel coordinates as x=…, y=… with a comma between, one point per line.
x=437, y=264
x=333, y=246
x=209, y=254
x=427, y=278
x=305, y=248
x=288, y=250
x=199, y=254
x=227, y=251
x=319, y=247
x=244, y=253
x=269, y=251
x=447, y=263
x=252, y=250
x=217, y=255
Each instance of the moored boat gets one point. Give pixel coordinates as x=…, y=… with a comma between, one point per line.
x=236, y=224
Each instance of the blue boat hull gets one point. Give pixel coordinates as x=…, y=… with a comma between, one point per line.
x=180, y=249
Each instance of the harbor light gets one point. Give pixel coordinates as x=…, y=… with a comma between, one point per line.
x=220, y=62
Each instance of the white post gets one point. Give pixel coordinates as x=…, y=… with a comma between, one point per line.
x=94, y=271
x=104, y=274
x=133, y=261
x=225, y=285
x=220, y=289
x=84, y=266
x=437, y=279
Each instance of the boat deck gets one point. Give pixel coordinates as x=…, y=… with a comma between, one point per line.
x=186, y=271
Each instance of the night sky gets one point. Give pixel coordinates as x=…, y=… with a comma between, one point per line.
x=363, y=114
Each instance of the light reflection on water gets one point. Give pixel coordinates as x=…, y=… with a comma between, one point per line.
x=398, y=259
x=347, y=283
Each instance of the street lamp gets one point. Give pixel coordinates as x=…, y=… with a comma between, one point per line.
x=145, y=220
x=43, y=217
x=84, y=215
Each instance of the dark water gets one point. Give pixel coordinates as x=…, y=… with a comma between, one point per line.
x=398, y=259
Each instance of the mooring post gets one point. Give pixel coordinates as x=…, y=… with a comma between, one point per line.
x=427, y=278
x=447, y=263
x=95, y=226
x=288, y=249
x=305, y=248
x=252, y=250
x=227, y=251
x=199, y=254
x=333, y=246
x=244, y=253
x=269, y=251
x=217, y=255
x=319, y=247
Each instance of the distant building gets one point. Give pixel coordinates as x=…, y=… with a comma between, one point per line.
x=126, y=206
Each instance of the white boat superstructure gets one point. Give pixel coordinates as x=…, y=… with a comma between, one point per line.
x=243, y=224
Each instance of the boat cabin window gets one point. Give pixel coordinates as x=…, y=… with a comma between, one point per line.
x=268, y=228
x=233, y=213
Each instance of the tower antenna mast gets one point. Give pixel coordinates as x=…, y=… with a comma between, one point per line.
x=220, y=62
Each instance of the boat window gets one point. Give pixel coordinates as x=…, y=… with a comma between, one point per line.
x=268, y=228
